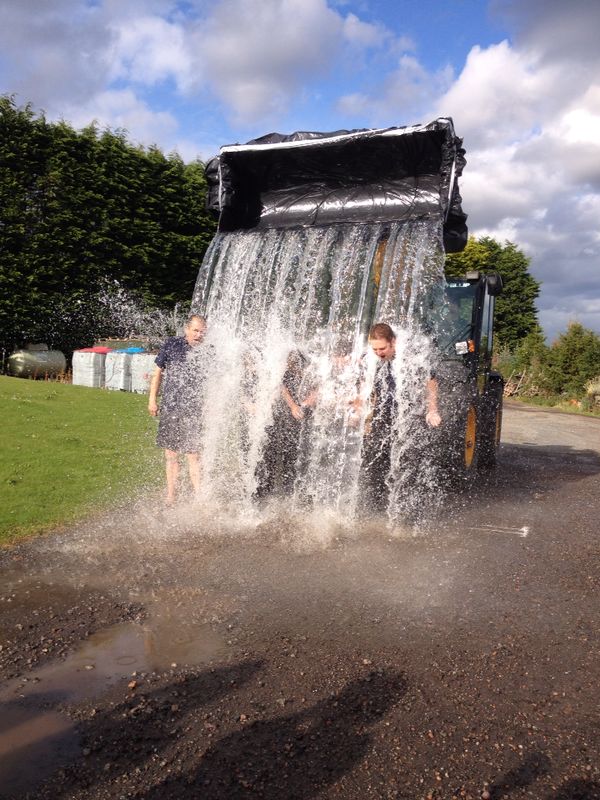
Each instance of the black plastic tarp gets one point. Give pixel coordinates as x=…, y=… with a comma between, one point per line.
x=309, y=178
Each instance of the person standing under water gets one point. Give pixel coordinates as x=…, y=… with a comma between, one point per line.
x=379, y=428
x=282, y=453
x=178, y=379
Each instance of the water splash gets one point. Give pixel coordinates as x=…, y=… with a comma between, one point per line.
x=125, y=315
x=317, y=291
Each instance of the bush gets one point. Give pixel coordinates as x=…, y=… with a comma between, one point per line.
x=573, y=361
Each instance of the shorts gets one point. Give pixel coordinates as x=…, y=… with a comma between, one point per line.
x=180, y=432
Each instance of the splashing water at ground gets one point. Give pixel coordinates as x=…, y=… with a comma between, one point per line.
x=309, y=294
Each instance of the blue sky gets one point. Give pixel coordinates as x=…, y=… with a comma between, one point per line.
x=520, y=79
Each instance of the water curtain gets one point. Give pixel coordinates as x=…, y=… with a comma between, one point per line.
x=304, y=262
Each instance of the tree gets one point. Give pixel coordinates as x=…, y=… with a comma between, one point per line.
x=573, y=360
x=532, y=353
x=80, y=209
x=516, y=315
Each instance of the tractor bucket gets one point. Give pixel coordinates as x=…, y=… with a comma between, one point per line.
x=318, y=179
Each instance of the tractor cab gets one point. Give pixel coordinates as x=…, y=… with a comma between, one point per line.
x=471, y=390
x=466, y=327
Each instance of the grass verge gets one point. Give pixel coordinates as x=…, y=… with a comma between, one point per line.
x=68, y=451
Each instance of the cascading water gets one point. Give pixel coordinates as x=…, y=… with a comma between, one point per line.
x=315, y=290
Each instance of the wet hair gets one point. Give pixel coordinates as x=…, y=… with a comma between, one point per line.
x=192, y=317
x=382, y=330
x=343, y=348
x=296, y=361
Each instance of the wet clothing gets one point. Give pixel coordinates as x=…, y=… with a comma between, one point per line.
x=249, y=388
x=377, y=443
x=277, y=470
x=179, y=426
x=383, y=400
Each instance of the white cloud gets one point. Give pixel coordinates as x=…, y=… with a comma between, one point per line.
x=405, y=93
x=531, y=125
x=500, y=96
x=256, y=55
x=123, y=109
x=259, y=57
x=497, y=184
x=149, y=50
x=355, y=105
x=52, y=52
x=556, y=30
x=364, y=34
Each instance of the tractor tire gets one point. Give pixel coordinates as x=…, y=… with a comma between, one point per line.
x=461, y=448
x=490, y=437
x=491, y=421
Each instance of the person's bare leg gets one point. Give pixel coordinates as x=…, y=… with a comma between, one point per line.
x=172, y=472
x=195, y=471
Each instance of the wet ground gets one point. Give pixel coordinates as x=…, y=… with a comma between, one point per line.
x=161, y=655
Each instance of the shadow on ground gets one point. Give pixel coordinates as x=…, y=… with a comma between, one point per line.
x=524, y=469
x=293, y=755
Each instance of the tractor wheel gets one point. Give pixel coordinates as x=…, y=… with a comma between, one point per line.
x=490, y=438
x=470, y=440
x=462, y=450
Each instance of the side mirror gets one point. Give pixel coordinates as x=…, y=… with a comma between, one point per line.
x=494, y=284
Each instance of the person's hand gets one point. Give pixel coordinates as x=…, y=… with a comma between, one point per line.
x=353, y=419
x=153, y=408
x=297, y=412
x=433, y=419
x=311, y=400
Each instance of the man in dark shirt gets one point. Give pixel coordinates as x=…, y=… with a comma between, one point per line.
x=178, y=379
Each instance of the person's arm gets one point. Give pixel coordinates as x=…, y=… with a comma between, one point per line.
x=357, y=402
x=154, y=390
x=432, y=416
x=295, y=409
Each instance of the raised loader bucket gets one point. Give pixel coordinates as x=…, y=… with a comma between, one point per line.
x=318, y=179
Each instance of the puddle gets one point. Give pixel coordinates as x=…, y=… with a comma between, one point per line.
x=35, y=735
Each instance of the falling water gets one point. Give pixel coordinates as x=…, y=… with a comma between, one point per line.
x=316, y=290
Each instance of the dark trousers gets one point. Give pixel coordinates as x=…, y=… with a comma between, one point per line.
x=375, y=470
x=277, y=469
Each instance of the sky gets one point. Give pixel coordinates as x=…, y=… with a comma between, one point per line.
x=520, y=78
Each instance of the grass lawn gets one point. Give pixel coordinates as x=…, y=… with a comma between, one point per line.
x=68, y=451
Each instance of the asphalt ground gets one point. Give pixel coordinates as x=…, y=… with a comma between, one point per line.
x=181, y=654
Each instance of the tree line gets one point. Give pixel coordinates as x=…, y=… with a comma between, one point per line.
x=81, y=210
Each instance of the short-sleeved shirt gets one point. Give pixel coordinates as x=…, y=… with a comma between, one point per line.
x=180, y=422
x=182, y=378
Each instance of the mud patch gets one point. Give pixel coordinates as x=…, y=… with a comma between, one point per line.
x=34, y=728
x=40, y=621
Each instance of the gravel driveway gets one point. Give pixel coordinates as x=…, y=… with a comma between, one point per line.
x=182, y=655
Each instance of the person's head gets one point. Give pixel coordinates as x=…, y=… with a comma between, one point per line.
x=382, y=341
x=195, y=329
x=296, y=361
x=342, y=355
